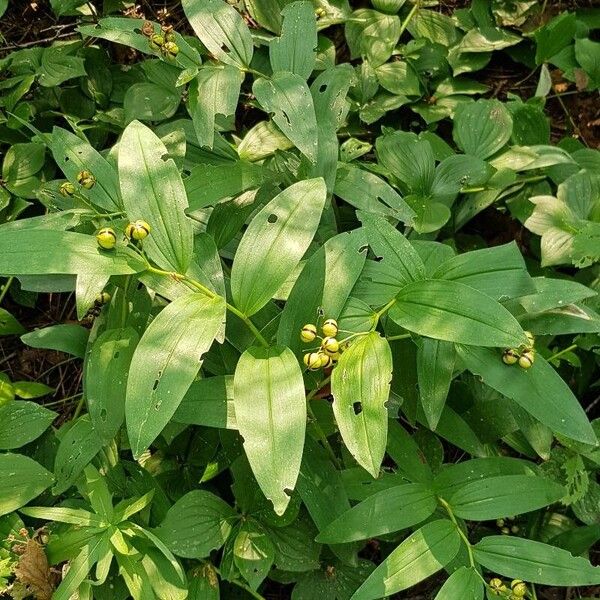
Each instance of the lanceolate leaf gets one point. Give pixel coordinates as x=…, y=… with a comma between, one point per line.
x=288, y=98
x=274, y=243
x=539, y=390
x=214, y=91
x=295, y=50
x=270, y=409
x=44, y=252
x=360, y=385
x=152, y=190
x=21, y=480
x=504, y=495
x=422, y=554
x=165, y=363
x=451, y=311
x=393, y=251
x=535, y=562
x=221, y=29
x=106, y=372
x=387, y=511
x=435, y=366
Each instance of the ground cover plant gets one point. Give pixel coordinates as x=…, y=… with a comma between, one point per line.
x=299, y=300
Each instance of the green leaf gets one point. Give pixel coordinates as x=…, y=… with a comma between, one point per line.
x=322, y=490
x=73, y=155
x=214, y=91
x=287, y=98
x=44, y=252
x=504, y=495
x=196, y=524
x=208, y=402
x=274, y=243
x=221, y=29
x=385, y=512
x=294, y=50
x=106, y=372
x=482, y=128
x=372, y=34
x=430, y=308
x=69, y=338
x=360, y=385
x=58, y=64
x=499, y=272
x=8, y=324
x=270, y=408
x=31, y=389
x=207, y=184
x=409, y=159
x=21, y=480
x=74, y=516
x=253, y=553
x=148, y=101
x=534, y=562
x=462, y=584
x=369, y=193
x=435, y=367
x=165, y=363
x=554, y=36
x=396, y=255
x=433, y=26
x=78, y=446
x=587, y=53
x=420, y=555
x=539, y=390
x=146, y=179
x=399, y=77
x=22, y=422
x=203, y=583
x=455, y=476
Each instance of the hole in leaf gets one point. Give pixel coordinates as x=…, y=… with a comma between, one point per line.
x=378, y=258
x=103, y=414
x=156, y=382
x=357, y=407
x=322, y=88
x=288, y=492
x=116, y=355
x=363, y=249
x=272, y=218
x=67, y=159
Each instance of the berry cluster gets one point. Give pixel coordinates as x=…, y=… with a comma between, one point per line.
x=525, y=355
x=163, y=42
x=84, y=178
x=506, y=528
x=137, y=231
x=518, y=589
x=329, y=351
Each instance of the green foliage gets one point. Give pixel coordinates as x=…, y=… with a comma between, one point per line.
x=320, y=303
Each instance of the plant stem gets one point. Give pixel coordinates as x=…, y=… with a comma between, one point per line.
x=409, y=16
x=402, y=336
x=6, y=288
x=474, y=190
x=207, y=292
x=240, y=584
x=381, y=312
x=318, y=429
x=461, y=533
x=558, y=354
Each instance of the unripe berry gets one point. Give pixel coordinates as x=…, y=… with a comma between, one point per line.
x=330, y=346
x=308, y=333
x=510, y=356
x=170, y=49
x=519, y=588
x=157, y=41
x=330, y=328
x=106, y=238
x=138, y=230
x=497, y=586
x=66, y=189
x=326, y=361
x=313, y=360
x=86, y=179
x=526, y=359
x=103, y=298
